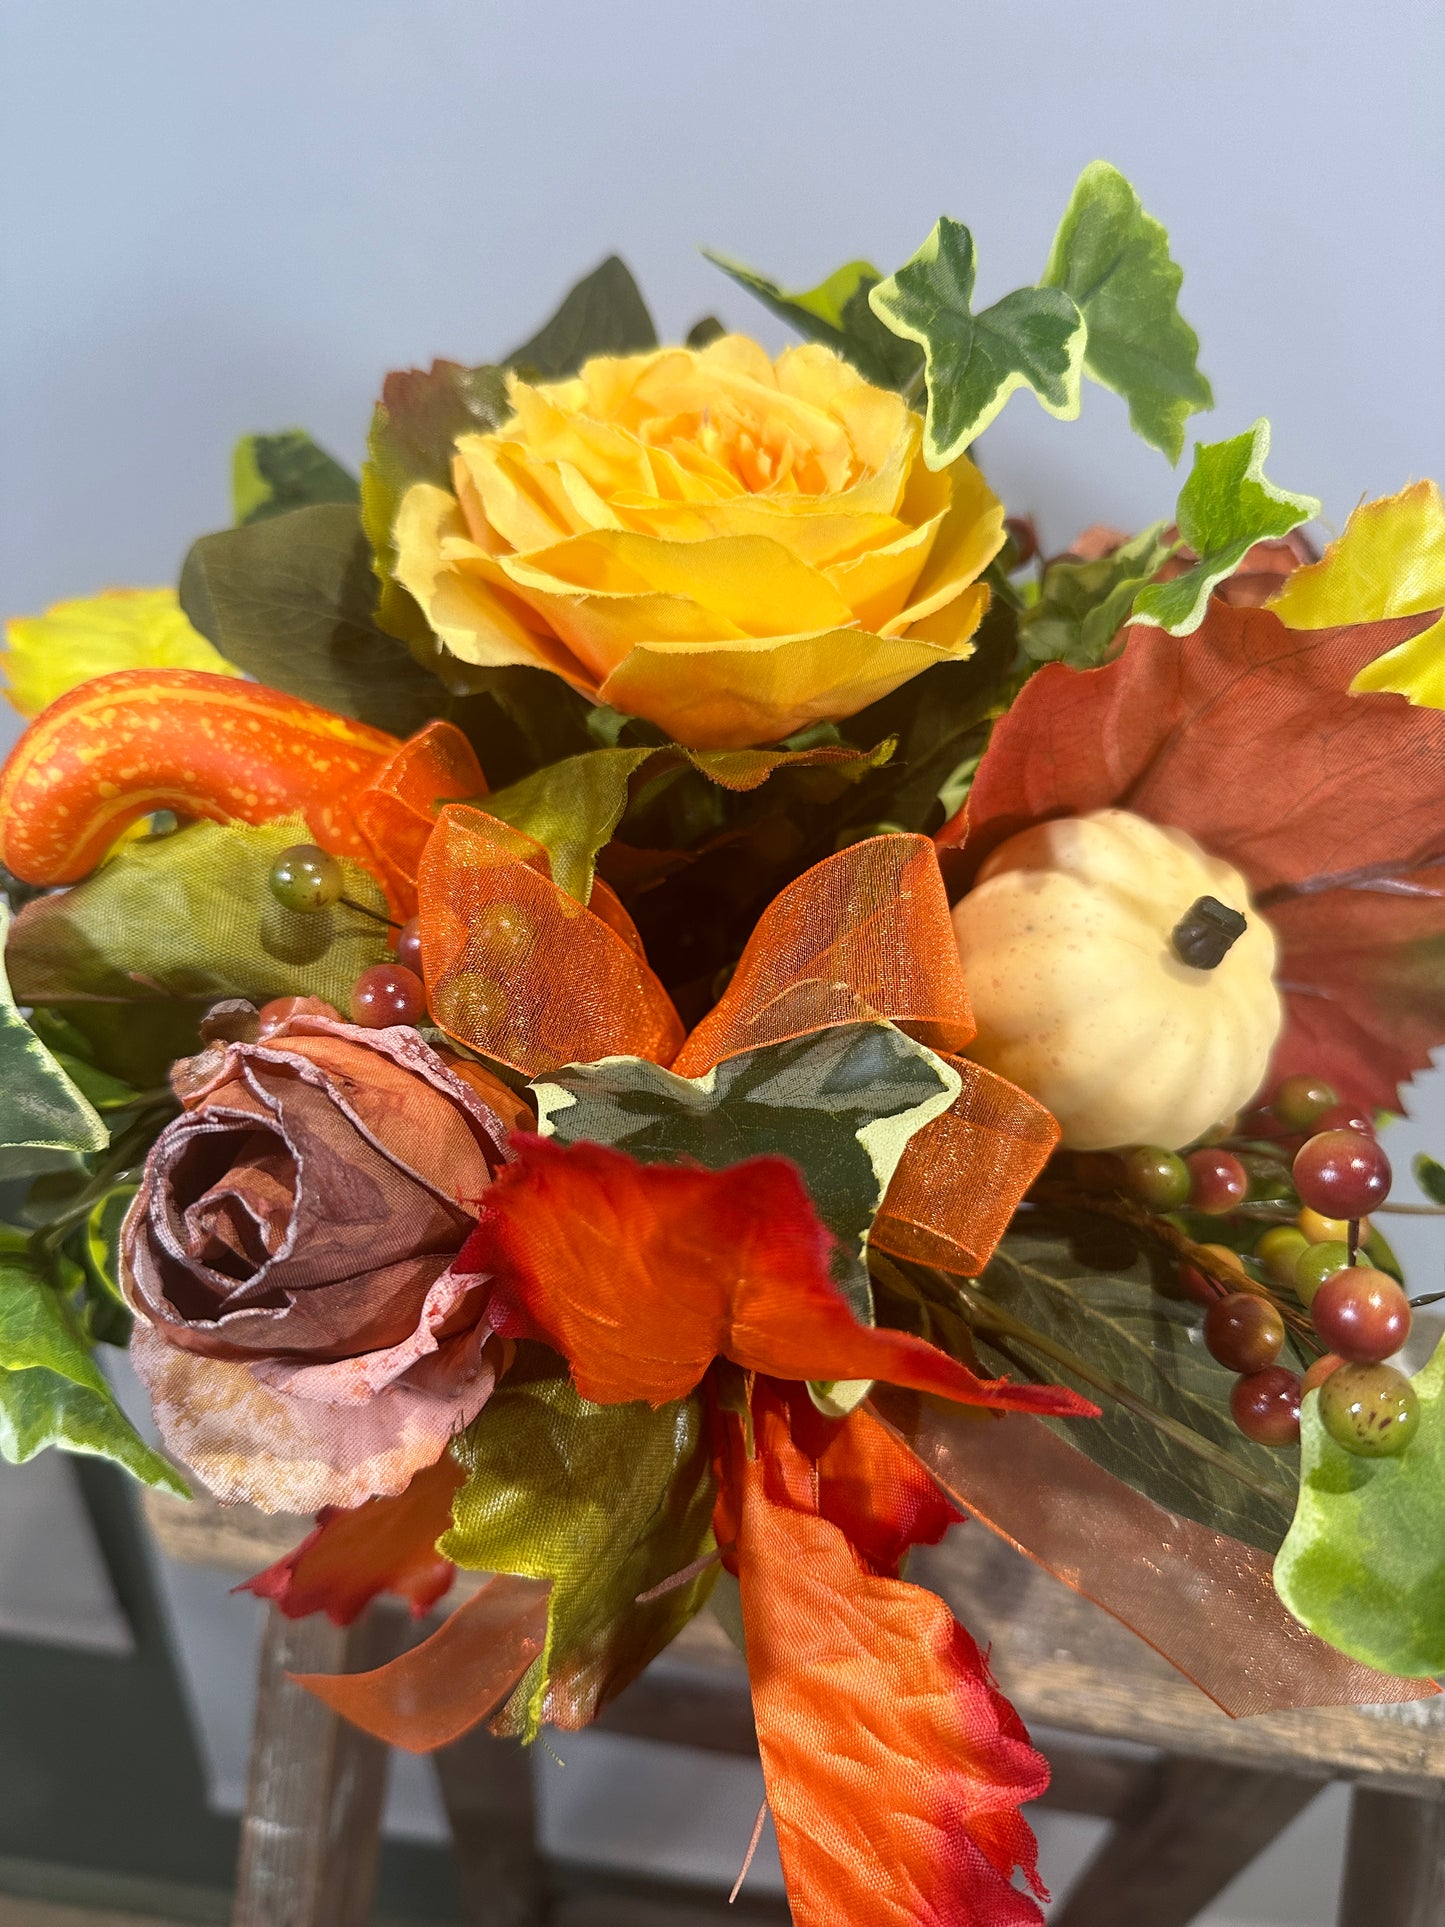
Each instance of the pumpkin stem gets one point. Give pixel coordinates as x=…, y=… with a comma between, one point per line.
x=1204, y=934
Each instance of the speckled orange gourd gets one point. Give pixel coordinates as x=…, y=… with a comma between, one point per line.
x=123, y=745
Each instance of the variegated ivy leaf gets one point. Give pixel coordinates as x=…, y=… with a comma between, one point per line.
x=1227, y=504
x=1114, y=260
x=1083, y=605
x=836, y=313
x=1033, y=338
x=841, y=1104
x=39, y=1106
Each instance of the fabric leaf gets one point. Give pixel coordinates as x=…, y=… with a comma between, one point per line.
x=190, y=916
x=291, y=599
x=1114, y=260
x=896, y=1789
x=1083, y=605
x=1390, y=561
x=838, y=314
x=273, y=473
x=40, y=1107
x=1033, y=338
x=48, y=655
x=604, y=314
x=606, y=1502
x=1226, y=505
x=357, y=1553
x=40, y=1407
x=1233, y=733
x=37, y=1332
x=587, y=1249
x=1361, y=1565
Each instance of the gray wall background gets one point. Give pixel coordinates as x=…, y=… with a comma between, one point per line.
x=222, y=218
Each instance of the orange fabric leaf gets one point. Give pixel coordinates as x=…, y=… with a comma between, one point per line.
x=396, y=809
x=1332, y=806
x=441, y=1688
x=355, y=1553
x=641, y=1274
x=522, y=972
x=896, y=1788
x=120, y=746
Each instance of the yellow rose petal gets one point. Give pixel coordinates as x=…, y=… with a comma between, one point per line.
x=1390, y=561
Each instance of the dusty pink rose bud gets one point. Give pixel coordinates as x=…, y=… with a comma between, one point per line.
x=288, y=1255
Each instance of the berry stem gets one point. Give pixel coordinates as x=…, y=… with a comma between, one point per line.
x=365, y=910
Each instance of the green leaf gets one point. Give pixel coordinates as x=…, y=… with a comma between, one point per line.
x=1083, y=605
x=292, y=600
x=1083, y=1302
x=707, y=328
x=413, y=429
x=101, y=1241
x=575, y=806
x=1362, y=1564
x=40, y=1408
x=1430, y=1176
x=1114, y=260
x=273, y=473
x=838, y=314
x=37, y=1331
x=190, y=916
x=1226, y=505
x=40, y=1107
x=606, y=1501
x=1033, y=338
x=604, y=314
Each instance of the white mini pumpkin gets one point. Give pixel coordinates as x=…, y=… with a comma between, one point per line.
x=1082, y=996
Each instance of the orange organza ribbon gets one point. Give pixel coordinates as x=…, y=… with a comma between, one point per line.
x=525, y=974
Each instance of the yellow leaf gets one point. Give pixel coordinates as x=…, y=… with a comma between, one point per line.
x=1390, y=561
x=118, y=629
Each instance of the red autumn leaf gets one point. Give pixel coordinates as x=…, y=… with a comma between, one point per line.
x=357, y=1552
x=896, y=1790
x=642, y=1274
x=1331, y=805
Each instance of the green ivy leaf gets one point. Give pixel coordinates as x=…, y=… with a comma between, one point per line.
x=606, y=1501
x=1083, y=605
x=1033, y=338
x=837, y=313
x=1430, y=1176
x=1114, y=260
x=1227, y=504
x=604, y=314
x=40, y=1107
x=40, y=1408
x=36, y=1329
x=273, y=473
x=1361, y=1565
x=575, y=806
x=292, y=600
x=1083, y=1303
x=190, y=917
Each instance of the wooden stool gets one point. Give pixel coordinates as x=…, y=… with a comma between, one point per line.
x=1185, y=1823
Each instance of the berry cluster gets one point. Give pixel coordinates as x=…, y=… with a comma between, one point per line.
x=306, y=879
x=1311, y=1157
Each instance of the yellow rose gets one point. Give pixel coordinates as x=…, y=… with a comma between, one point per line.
x=730, y=546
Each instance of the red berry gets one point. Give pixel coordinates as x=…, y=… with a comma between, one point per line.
x=1342, y=1174
x=1300, y=1102
x=1362, y=1314
x=1326, y=1363
x=1347, y=1117
x=1198, y=1285
x=1244, y=1332
x=1265, y=1406
x=1217, y=1181
x=270, y=1017
x=387, y=994
x=408, y=946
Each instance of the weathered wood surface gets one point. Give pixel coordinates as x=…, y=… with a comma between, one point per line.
x=487, y=1789
x=1062, y=1661
x=1395, y=1861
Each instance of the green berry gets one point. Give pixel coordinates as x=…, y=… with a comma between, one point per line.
x=1371, y=1410
x=1316, y=1263
x=1300, y=1102
x=1279, y=1250
x=305, y=878
x=1157, y=1178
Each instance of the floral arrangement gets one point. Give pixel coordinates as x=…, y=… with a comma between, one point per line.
x=648, y=1000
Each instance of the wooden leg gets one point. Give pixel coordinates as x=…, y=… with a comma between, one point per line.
x=1395, y=1862
x=312, y=1826
x=486, y=1785
x=1193, y=1827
